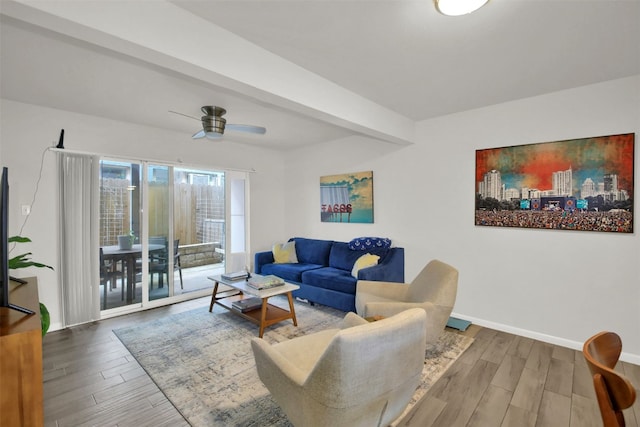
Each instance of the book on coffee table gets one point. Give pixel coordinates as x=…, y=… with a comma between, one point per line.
x=264, y=282
x=247, y=304
x=238, y=275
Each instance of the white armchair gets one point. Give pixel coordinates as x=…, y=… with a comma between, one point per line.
x=434, y=290
x=361, y=375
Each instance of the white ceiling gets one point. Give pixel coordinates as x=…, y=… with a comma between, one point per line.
x=69, y=75
x=406, y=56
x=412, y=62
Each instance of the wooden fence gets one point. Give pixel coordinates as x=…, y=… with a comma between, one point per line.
x=198, y=215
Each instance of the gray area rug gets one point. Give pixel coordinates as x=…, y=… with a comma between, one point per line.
x=204, y=364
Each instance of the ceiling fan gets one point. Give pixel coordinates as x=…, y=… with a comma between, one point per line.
x=214, y=125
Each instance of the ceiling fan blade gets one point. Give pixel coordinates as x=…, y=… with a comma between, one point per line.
x=210, y=135
x=186, y=115
x=246, y=128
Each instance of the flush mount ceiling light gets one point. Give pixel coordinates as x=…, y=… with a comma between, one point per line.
x=458, y=7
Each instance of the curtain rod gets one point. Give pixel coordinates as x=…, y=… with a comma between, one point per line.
x=176, y=163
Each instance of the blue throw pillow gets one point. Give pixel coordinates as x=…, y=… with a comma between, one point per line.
x=368, y=243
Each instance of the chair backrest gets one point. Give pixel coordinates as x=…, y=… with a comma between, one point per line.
x=382, y=359
x=159, y=253
x=436, y=283
x=158, y=240
x=614, y=391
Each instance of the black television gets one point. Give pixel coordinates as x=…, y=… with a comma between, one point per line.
x=4, y=246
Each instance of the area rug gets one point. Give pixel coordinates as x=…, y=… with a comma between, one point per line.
x=204, y=364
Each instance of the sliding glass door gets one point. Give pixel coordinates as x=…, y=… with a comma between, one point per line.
x=163, y=230
x=120, y=225
x=199, y=227
x=159, y=260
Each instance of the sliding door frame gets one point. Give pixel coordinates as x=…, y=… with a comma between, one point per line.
x=229, y=175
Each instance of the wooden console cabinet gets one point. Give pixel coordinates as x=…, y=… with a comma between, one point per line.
x=21, y=401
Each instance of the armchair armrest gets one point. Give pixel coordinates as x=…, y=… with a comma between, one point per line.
x=271, y=363
x=351, y=320
x=391, y=269
x=388, y=309
x=390, y=290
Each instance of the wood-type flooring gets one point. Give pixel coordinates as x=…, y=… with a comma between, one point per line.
x=502, y=380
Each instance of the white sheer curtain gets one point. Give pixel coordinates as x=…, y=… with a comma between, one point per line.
x=79, y=233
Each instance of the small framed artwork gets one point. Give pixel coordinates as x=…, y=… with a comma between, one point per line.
x=347, y=197
x=581, y=184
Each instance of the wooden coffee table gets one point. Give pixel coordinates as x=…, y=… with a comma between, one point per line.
x=267, y=314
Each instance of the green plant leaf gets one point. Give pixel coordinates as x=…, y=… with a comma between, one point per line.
x=23, y=261
x=19, y=239
x=45, y=319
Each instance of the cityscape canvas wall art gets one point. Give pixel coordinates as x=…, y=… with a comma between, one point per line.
x=579, y=184
x=347, y=197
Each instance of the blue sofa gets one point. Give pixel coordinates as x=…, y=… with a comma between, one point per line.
x=323, y=270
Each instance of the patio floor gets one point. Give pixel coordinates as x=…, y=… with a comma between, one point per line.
x=193, y=278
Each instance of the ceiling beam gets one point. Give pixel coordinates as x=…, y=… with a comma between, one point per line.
x=165, y=35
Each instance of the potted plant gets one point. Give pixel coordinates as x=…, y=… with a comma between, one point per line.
x=24, y=261
x=125, y=241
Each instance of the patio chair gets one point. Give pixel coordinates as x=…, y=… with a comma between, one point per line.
x=158, y=263
x=109, y=274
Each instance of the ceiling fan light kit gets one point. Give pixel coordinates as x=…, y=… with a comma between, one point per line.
x=213, y=126
x=458, y=7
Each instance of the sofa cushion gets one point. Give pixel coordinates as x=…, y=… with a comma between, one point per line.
x=368, y=243
x=344, y=258
x=313, y=251
x=331, y=278
x=284, y=253
x=366, y=260
x=290, y=272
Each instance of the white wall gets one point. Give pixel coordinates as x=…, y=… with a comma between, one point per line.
x=27, y=130
x=544, y=284
x=557, y=286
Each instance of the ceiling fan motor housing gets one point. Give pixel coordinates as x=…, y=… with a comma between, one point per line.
x=213, y=124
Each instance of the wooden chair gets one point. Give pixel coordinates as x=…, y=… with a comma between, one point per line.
x=614, y=391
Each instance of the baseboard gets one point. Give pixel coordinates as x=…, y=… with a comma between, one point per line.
x=55, y=327
x=575, y=345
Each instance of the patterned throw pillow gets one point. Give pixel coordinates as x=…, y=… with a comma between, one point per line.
x=366, y=243
x=285, y=253
x=366, y=260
